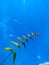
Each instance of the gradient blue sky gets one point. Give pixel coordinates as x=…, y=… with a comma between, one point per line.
x=19, y=17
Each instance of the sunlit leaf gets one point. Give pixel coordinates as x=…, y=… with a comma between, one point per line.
x=21, y=41
x=14, y=57
x=25, y=38
x=29, y=36
x=15, y=43
x=8, y=48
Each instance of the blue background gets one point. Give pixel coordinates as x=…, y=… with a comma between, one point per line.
x=20, y=17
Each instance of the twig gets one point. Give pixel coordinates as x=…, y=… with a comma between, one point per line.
x=6, y=57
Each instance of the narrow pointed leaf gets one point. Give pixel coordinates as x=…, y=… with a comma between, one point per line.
x=8, y=48
x=29, y=36
x=21, y=41
x=25, y=38
x=14, y=57
x=15, y=43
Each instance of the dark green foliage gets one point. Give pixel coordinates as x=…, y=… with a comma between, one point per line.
x=14, y=57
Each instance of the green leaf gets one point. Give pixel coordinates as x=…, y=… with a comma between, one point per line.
x=25, y=38
x=29, y=36
x=15, y=43
x=19, y=39
x=8, y=49
x=14, y=57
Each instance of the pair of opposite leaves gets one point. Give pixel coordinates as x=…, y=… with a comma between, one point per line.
x=35, y=34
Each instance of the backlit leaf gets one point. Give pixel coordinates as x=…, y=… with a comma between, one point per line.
x=15, y=43
x=7, y=48
x=29, y=36
x=25, y=38
x=21, y=41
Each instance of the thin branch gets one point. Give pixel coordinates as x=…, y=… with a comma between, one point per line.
x=6, y=57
